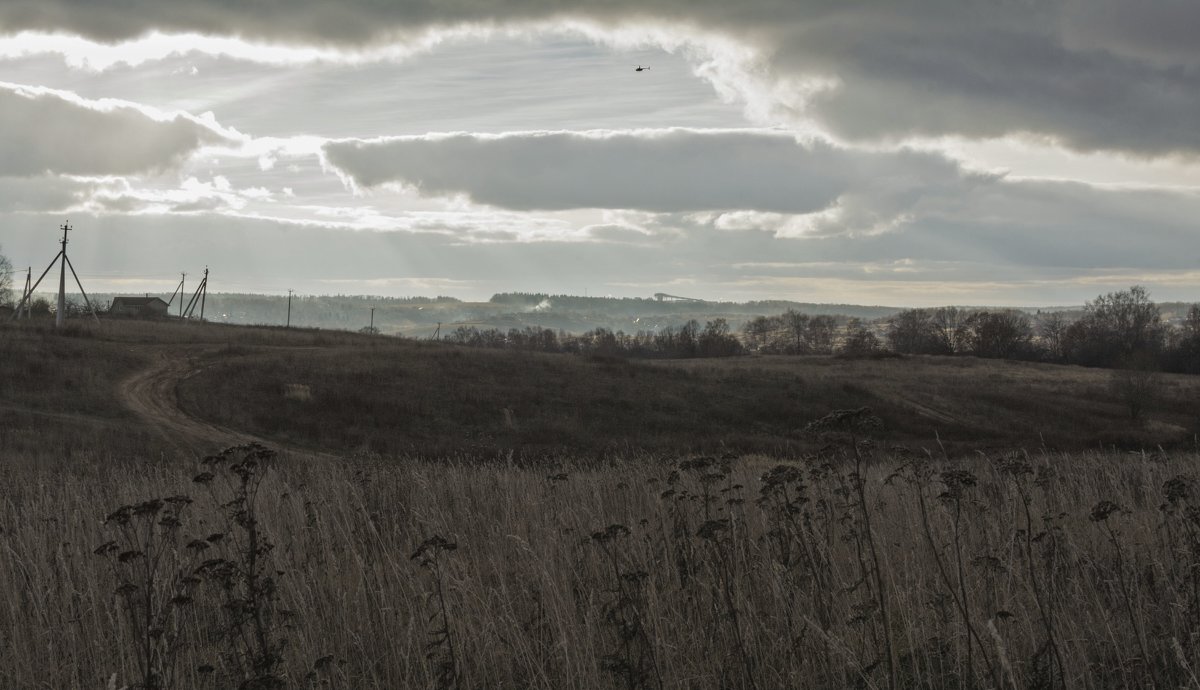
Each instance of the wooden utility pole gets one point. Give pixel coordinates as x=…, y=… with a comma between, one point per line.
x=200, y=293
x=289, y=316
x=178, y=291
x=372, y=319
x=62, y=283
x=60, y=315
x=26, y=295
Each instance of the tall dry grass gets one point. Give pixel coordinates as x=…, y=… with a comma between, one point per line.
x=1077, y=571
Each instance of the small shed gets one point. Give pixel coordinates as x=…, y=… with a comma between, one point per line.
x=139, y=307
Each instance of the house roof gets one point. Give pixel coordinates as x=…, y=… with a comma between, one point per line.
x=138, y=301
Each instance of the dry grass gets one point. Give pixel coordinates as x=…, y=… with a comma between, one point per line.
x=710, y=580
x=431, y=400
x=851, y=567
x=393, y=397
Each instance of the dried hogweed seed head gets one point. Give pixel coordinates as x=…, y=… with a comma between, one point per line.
x=713, y=529
x=432, y=546
x=1179, y=489
x=609, y=533
x=120, y=516
x=1103, y=510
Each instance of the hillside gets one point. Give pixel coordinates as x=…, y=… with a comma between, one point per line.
x=349, y=393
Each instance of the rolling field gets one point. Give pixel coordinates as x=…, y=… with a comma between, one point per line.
x=425, y=399
x=343, y=393
x=622, y=525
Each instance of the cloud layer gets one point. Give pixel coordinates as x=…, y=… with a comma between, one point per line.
x=1090, y=74
x=44, y=131
x=663, y=171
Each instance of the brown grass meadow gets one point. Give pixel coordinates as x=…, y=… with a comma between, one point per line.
x=848, y=561
x=1020, y=571
x=430, y=400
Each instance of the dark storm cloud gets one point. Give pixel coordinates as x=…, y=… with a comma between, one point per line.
x=43, y=131
x=1108, y=74
x=652, y=170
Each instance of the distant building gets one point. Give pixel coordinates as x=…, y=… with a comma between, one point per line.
x=139, y=307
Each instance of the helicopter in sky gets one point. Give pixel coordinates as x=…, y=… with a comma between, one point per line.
x=639, y=68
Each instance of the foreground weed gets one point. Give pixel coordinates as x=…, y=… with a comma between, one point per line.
x=153, y=571
x=955, y=497
x=855, y=425
x=440, y=650
x=255, y=621
x=1048, y=668
x=631, y=661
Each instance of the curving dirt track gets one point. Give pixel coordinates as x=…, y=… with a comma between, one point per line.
x=151, y=394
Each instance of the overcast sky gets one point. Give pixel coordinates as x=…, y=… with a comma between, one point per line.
x=903, y=153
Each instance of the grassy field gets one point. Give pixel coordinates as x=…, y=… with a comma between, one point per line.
x=350, y=393
x=668, y=525
x=995, y=572
x=432, y=400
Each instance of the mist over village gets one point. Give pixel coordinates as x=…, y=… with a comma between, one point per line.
x=529, y=344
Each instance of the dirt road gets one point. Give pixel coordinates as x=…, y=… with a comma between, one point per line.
x=152, y=395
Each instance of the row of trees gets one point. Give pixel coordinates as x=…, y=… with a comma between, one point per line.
x=950, y=330
x=1118, y=329
x=688, y=340
x=790, y=333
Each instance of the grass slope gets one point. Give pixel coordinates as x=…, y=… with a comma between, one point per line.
x=347, y=392
x=430, y=399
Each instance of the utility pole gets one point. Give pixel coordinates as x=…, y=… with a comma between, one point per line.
x=26, y=296
x=199, y=295
x=61, y=314
x=372, y=319
x=178, y=291
x=289, y=318
x=62, y=284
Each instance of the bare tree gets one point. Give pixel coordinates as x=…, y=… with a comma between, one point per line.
x=1137, y=384
x=5, y=278
x=859, y=340
x=913, y=331
x=953, y=328
x=1052, y=328
x=1116, y=327
x=999, y=334
x=819, y=335
x=796, y=325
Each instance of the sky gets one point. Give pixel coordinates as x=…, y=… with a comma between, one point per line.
x=908, y=153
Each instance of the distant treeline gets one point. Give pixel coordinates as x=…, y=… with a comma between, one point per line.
x=688, y=340
x=1119, y=329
